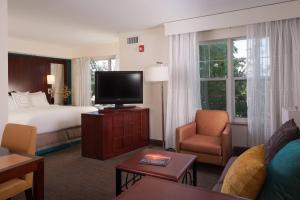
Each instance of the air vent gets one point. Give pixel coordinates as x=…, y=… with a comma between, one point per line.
x=132, y=40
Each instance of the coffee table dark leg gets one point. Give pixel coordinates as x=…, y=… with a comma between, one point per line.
x=118, y=182
x=195, y=173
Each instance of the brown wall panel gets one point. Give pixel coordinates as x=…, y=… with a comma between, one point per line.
x=28, y=73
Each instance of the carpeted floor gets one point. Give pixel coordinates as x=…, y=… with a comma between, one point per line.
x=69, y=176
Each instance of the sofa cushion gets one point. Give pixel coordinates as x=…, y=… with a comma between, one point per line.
x=211, y=122
x=283, y=174
x=202, y=144
x=286, y=133
x=247, y=174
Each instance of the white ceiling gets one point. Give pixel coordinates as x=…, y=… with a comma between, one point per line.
x=76, y=23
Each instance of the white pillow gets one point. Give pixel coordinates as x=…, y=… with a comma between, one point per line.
x=39, y=92
x=11, y=104
x=21, y=99
x=38, y=99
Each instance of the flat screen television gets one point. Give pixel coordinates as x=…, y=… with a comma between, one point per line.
x=118, y=87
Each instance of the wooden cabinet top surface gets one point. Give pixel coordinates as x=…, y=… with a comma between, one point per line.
x=104, y=111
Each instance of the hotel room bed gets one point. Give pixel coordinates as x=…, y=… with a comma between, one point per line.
x=56, y=125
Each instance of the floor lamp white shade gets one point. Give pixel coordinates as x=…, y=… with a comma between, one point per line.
x=159, y=73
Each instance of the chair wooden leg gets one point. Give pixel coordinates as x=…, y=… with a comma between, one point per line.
x=28, y=194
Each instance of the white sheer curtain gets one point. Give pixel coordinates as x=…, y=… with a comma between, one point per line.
x=81, y=82
x=273, y=64
x=58, y=71
x=184, y=84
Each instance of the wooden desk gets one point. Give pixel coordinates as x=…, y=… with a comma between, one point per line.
x=17, y=165
x=174, y=171
x=152, y=188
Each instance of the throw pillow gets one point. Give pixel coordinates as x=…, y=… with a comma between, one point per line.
x=247, y=174
x=286, y=133
x=283, y=174
x=21, y=99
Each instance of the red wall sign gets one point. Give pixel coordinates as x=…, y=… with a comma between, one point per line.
x=141, y=48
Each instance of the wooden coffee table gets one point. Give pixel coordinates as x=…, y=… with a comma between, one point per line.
x=174, y=171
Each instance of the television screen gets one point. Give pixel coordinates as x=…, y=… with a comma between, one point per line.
x=118, y=87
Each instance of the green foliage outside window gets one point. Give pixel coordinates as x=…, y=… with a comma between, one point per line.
x=239, y=72
x=213, y=73
x=213, y=95
x=241, y=98
x=213, y=65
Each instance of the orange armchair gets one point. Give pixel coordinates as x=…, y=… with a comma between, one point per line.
x=19, y=139
x=208, y=137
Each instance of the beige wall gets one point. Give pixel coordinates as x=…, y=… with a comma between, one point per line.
x=239, y=134
x=31, y=47
x=156, y=49
x=3, y=65
x=97, y=50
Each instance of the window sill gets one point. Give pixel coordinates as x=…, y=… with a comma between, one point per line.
x=239, y=121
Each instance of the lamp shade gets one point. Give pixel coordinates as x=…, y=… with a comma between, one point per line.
x=50, y=79
x=157, y=73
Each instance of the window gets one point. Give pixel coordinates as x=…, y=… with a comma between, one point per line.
x=213, y=74
x=223, y=76
x=239, y=78
x=108, y=64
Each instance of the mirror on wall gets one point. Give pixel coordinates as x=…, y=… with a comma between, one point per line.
x=58, y=71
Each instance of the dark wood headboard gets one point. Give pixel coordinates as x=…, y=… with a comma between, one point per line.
x=29, y=73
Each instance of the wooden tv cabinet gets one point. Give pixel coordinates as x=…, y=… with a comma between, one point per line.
x=111, y=132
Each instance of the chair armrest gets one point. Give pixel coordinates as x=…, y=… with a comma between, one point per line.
x=226, y=143
x=184, y=132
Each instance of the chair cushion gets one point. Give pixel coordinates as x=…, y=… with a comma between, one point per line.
x=202, y=144
x=13, y=187
x=283, y=174
x=247, y=173
x=211, y=122
x=286, y=133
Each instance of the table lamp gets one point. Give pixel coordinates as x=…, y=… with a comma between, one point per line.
x=51, y=81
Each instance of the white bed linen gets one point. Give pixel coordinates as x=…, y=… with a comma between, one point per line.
x=49, y=118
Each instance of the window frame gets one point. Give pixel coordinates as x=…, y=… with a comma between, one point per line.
x=230, y=79
x=215, y=79
x=109, y=59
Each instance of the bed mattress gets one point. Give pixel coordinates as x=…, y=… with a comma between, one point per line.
x=50, y=118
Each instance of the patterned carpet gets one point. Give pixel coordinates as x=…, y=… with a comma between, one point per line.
x=68, y=176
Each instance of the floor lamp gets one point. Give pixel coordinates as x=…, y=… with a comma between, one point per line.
x=159, y=73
